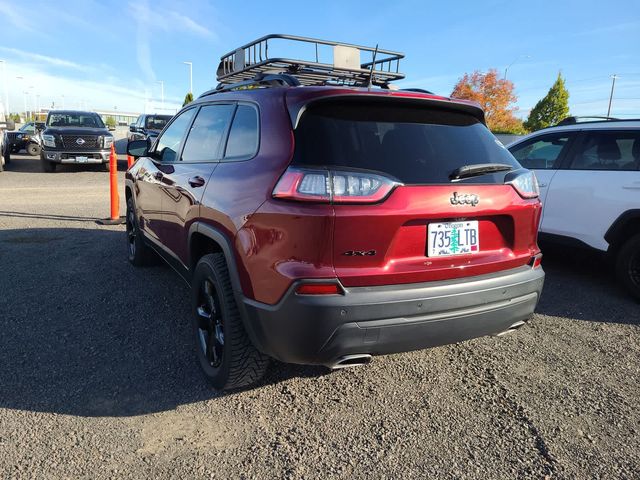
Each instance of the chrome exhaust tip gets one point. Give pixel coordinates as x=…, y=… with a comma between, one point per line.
x=511, y=329
x=351, y=361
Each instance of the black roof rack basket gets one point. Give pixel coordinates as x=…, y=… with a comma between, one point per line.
x=251, y=64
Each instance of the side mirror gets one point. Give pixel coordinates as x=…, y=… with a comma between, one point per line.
x=8, y=125
x=132, y=128
x=138, y=148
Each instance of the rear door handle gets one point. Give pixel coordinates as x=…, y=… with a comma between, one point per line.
x=632, y=186
x=196, y=181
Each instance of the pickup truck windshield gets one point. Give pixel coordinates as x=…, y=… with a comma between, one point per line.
x=157, y=122
x=86, y=120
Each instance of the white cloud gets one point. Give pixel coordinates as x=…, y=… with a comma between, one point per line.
x=72, y=92
x=53, y=61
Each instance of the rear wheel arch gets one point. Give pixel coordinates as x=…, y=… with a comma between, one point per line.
x=623, y=228
x=205, y=239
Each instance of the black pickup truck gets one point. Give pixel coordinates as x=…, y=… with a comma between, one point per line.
x=147, y=127
x=75, y=137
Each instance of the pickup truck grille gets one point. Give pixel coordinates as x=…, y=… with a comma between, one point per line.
x=11, y=136
x=88, y=142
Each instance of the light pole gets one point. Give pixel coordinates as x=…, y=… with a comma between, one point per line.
x=190, y=76
x=24, y=97
x=6, y=88
x=513, y=63
x=161, y=94
x=613, y=85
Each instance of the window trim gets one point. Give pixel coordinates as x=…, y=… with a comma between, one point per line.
x=243, y=158
x=152, y=152
x=562, y=156
x=581, y=140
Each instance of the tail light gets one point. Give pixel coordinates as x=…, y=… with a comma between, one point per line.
x=333, y=186
x=525, y=183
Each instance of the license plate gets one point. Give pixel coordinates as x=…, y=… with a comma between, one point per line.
x=454, y=238
x=82, y=159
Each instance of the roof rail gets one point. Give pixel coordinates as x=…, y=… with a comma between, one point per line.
x=572, y=120
x=248, y=62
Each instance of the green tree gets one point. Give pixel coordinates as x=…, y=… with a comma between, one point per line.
x=110, y=122
x=551, y=109
x=188, y=99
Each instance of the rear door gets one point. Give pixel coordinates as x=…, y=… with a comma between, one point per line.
x=432, y=226
x=543, y=154
x=185, y=182
x=596, y=185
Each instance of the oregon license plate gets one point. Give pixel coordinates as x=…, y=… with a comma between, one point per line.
x=454, y=238
x=82, y=159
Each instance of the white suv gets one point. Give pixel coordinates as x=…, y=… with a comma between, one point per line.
x=590, y=187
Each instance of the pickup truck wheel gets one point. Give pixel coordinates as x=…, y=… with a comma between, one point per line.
x=225, y=352
x=628, y=265
x=33, y=149
x=139, y=253
x=47, y=166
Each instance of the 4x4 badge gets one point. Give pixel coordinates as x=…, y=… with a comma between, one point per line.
x=469, y=199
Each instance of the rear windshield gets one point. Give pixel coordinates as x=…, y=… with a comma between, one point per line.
x=416, y=145
x=75, y=119
x=157, y=122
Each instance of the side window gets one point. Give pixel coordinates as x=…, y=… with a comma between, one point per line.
x=207, y=131
x=243, y=136
x=541, y=152
x=608, y=151
x=168, y=145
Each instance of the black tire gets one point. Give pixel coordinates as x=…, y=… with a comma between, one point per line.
x=33, y=149
x=47, y=166
x=628, y=265
x=225, y=353
x=105, y=167
x=138, y=252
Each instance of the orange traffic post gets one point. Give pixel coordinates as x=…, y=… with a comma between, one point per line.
x=130, y=161
x=115, y=218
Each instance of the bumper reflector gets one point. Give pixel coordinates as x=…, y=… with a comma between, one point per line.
x=319, y=289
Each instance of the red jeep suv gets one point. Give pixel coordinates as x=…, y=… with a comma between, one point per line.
x=322, y=224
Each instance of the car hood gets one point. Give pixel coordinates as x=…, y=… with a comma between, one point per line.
x=76, y=131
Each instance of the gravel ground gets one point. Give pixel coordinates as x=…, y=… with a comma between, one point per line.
x=98, y=377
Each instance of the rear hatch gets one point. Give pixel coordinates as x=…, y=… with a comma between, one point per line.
x=420, y=192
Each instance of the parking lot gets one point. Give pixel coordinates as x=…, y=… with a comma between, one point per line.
x=99, y=377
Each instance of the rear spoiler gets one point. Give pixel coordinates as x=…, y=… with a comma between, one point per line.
x=297, y=106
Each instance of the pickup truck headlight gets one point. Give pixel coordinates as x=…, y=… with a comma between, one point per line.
x=107, y=141
x=49, y=141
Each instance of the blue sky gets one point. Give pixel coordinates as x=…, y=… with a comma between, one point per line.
x=113, y=53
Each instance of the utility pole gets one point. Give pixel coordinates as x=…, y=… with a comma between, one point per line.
x=190, y=76
x=613, y=85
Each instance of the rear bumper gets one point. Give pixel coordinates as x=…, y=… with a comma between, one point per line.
x=320, y=329
x=95, y=156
